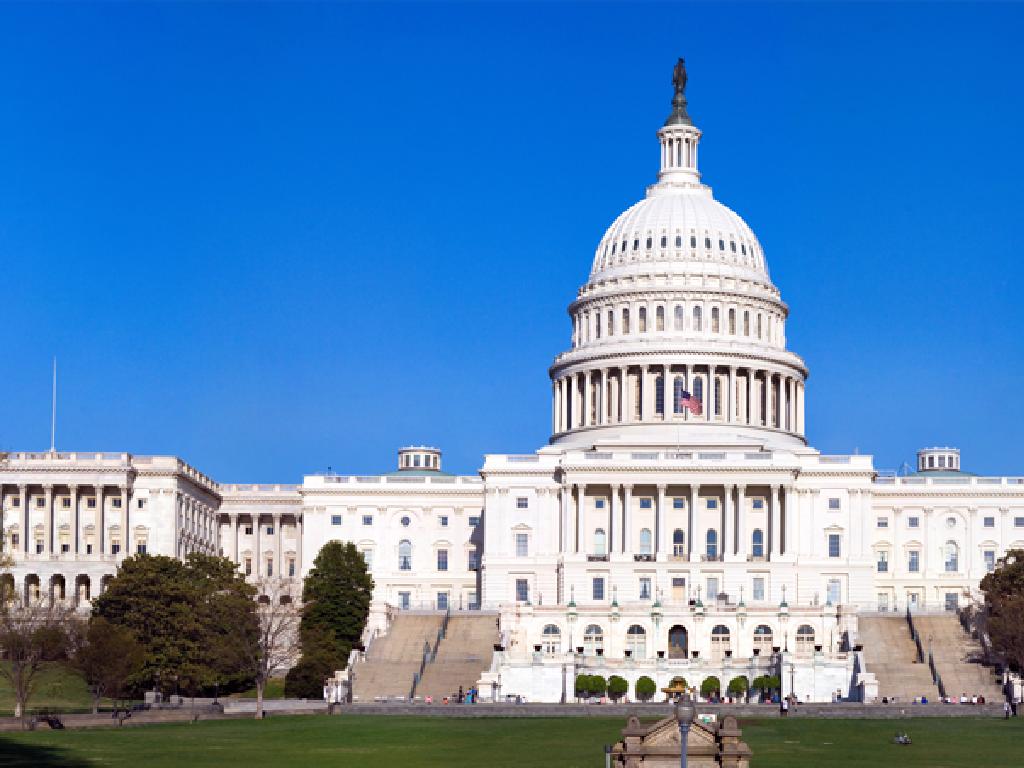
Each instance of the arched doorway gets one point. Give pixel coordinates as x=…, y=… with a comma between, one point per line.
x=719, y=642
x=763, y=639
x=678, y=642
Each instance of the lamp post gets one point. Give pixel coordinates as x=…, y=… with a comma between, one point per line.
x=685, y=713
x=607, y=756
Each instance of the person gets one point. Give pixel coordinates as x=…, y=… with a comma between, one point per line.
x=461, y=698
x=924, y=699
x=1006, y=710
x=784, y=706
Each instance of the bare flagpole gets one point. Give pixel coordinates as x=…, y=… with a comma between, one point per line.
x=53, y=410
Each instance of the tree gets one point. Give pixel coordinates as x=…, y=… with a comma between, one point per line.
x=617, y=687
x=738, y=686
x=31, y=634
x=582, y=686
x=597, y=685
x=645, y=688
x=710, y=686
x=270, y=644
x=336, y=602
x=1004, y=607
x=108, y=656
x=187, y=616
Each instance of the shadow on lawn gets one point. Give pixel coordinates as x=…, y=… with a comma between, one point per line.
x=14, y=754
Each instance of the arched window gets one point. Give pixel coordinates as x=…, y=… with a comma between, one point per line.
x=593, y=639
x=625, y=320
x=719, y=641
x=405, y=555
x=763, y=639
x=698, y=324
x=645, y=541
x=600, y=542
x=952, y=557
x=678, y=543
x=678, y=387
x=659, y=318
x=805, y=640
x=759, y=325
x=597, y=325
x=642, y=320
x=718, y=396
x=636, y=641
x=711, y=544
x=551, y=640
x=611, y=322
x=757, y=543
x=746, y=324
x=679, y=314
x=732, y=321
x=714, y=320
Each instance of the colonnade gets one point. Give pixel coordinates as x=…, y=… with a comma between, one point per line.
x=638, y=393
x=733, y=534
x=274, y=555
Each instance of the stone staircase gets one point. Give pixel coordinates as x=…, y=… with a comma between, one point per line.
x=394, y=658
x=954, y=651
x=891, y=655
x=462, y=656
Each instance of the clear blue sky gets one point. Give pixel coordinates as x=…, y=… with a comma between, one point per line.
x=272, y=238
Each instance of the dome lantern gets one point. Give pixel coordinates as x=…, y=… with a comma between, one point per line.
x=679, y=139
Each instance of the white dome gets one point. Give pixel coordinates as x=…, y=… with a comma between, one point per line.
x=682, y=227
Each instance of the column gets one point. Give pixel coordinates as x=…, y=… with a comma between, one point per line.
x=731, y=399
x=647, y=413
x=234, y=522
x=789, y=526
x=660, y=526
x=48, y=521
x=75, y=520
x=580, y=518
x=692, y=511
x=709, y=394
x=563, y=505
x=750, y=397
x=278, y=549
x=800, y=407
x=100, y=520
x=727, y=512
x=586, y=400
x=627, y=519
x=125, y=533
x=258, y=555
x=742, y=537
x=298, y=545
x=774, y=501
x=667, y=406
x=23, y=496
x=603, y=416
x=614, y=521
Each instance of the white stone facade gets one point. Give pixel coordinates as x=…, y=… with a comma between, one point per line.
x=651, y=536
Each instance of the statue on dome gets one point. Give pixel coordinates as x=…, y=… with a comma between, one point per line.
x=679, y=76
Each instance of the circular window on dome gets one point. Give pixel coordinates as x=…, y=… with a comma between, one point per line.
x=951, y=522
x=405, y=522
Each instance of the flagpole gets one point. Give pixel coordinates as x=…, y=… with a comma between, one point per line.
x=53, y=410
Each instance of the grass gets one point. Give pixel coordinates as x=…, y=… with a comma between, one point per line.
x=57, y=687
x=382, y=742
x=274, y=689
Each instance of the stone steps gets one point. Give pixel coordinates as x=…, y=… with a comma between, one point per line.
x=394, y=658
x=463, y=655
x=891, y=655
x=954, y=652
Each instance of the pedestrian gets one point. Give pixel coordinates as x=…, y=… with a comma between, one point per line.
x=784, y=706
x=1006, y=710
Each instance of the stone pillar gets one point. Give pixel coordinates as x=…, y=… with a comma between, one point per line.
x=614, y=521
x=667, y=406
x=627, y=519
x=709, y=397
x=298, y=545
x=692, y=511
x=774, y=529
x=581, y=492
x=23, y=496
x=233, y=520
x=731, y=399
x=742, y=536
x=587, y=419
x=278, y=548
x=258, y=556
x=48, y=522
x=790, y=524
x=125, y=533
x=728, y=511
x=749, y=415
x=73, y=490
x=603, y=414
x=660, y=525
x=647, y=413
x=100, y=521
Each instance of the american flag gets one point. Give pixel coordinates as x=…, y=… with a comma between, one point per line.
x=691, y=403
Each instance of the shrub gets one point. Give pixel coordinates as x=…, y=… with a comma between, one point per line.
x=598, y=685
x=774, y=683
x=738, y=686
x=710, y=685
x=582, y=686
x=645, y=688
x=617, y=687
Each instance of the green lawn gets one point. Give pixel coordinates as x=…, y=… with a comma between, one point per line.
x=274, y=689
x=382, y=742
x=57, y=687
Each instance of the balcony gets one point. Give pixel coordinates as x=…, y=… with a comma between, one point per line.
x=597, y=558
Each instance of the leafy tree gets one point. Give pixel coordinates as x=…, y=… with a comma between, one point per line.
x=108, y=656
x=710, y=685
x=738, y=686
x=598, y=685
x=188, y=617
x=1004, y=607
x=319, y=661
x=774, y=682
x=617, y=687
x=645, y=688
x=31, y=634
x=582, y=686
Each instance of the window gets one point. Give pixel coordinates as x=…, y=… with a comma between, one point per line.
x=636, y=641
x=678, y=543
x=913, y=561
x=883, y=561
x=442, y=559
x=522, y=545
x=746, y=323
x=115, y=502
x=712, y=588
x=16, y=502
x=645, y=541
x=367, y=557
x=404, y=600
x=405, y=521
x=833, y=504
x=611, y=323
x=625, y=321
x=642, y=320
x=697, y=320
x=913, y=522
x=679, y=315
x=678, y=503
x=757, y=543
x=474, y=521
x=442, y=520
x=711, y=544
x=65, y=548
x=474, y=560
x=522, y=502
x=367, y=519
x=405, y=555
x=646, y=503
x=270, y=567
x=141, y=503
x=522, y=590
x=758, y=504
x=600, y=542
x=645, y=588
x=598, y=503
x=41, y=502
x=597, y=588
x=115, y=548
x=248, y=566
x=712, y=503
x=1018, y=522
x=659, y=318
x=593, y=640
x=714, y=320
x=291, y=567
x=442, y=601
x=335, y=519
x=551, y=642
x=952, y=557
x=990, y=522
x=835, y=591
x=270, y=530
x=707, y=242
x=988, y=554
x=758, y=590
x=732, y=321
x=65, y=502
x=140, y=548
x=882, y=522
x=833, y=545
x=88, y=547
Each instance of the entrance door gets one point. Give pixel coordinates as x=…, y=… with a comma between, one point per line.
x=912, y=601
x=678, y=644
x=951, y=601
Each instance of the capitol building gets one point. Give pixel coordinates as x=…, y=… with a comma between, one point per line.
x=677, y=523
